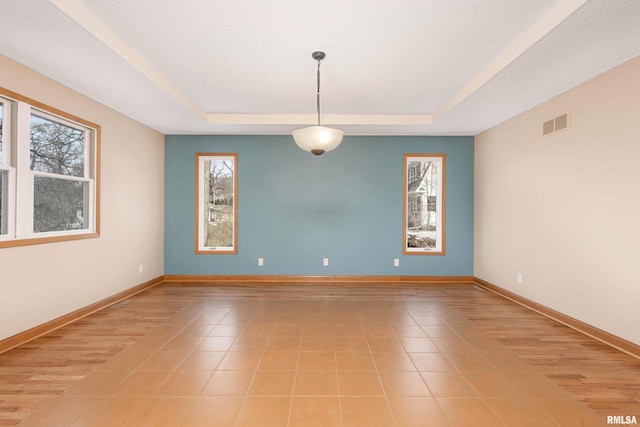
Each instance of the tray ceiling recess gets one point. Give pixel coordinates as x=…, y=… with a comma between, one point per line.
x=444, y=67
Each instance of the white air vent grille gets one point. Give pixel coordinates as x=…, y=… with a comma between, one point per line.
x=554, y=125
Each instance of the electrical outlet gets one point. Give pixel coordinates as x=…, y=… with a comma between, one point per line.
x=396, y=262
x=260, y=261
x=140, y=269
x=325, y=261
x=519, y=278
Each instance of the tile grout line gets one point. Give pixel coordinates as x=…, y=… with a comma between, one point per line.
x=435, y=398
x=255, y=370
x=386, y=397
x=152, y=394
x=335, y=366
x=295, y=376
x=482, y=396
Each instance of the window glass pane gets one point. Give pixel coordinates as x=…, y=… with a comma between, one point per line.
x=56, y=148
x=59, y=204
x=424, y=209
x=422, y=192
x=218, y=207
x=1, y=126
x=3, y=202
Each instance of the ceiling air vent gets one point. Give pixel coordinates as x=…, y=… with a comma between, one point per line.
x=554, y=125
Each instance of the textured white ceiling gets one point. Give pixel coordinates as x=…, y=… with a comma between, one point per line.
x=405, y=67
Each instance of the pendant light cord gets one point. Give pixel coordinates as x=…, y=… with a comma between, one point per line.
x=318, y=93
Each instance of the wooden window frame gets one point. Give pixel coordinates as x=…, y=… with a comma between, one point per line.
x=200, y=247
x=16, y=146
x=440, y=199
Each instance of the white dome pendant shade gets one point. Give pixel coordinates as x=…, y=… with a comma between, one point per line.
x=317, y=139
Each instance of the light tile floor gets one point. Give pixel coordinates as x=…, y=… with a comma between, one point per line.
x=309, y=355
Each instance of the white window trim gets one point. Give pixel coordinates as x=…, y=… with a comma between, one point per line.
x=7, y=153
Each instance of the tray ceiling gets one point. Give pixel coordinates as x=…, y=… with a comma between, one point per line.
x=409, y=67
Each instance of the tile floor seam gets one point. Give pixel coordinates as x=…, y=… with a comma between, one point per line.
x=480, y=395
x=546, y=412
x=438, y=405
x=483, y=397
x=335, y=367
x=295, y=375
x=543, y=411
x=460, y=373
x=246, y=393
x=386, y=397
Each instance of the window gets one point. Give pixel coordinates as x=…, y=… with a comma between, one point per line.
x=3, y=171
x=60, y=181
x=48, y=174
x=216, y=206
x=424, y=204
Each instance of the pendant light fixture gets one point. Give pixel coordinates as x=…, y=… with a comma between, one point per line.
x=317, y=139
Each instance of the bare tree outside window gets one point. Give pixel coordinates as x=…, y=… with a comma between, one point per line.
x=57, y=158
x=424, y=207
x=1, y=126
x=216, y=204
x=56, y=148
x=59, y=204
x=49, y=174
x=3, y=177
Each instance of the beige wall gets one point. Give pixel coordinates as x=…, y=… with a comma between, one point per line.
x=42, y=282
x=564, y=210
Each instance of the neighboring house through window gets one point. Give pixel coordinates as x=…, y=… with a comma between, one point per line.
x=216, y=207
x=424, y=204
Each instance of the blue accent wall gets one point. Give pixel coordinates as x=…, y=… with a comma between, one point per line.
x=294, y=209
